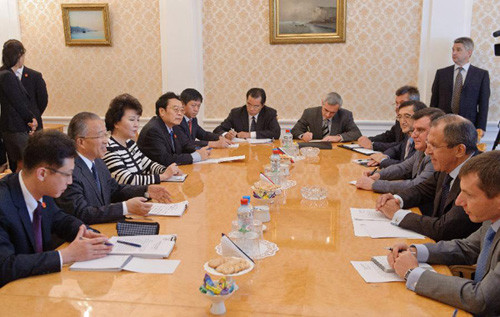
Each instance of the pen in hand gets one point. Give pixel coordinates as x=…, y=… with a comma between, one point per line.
x=391, y=249
x=373, y=172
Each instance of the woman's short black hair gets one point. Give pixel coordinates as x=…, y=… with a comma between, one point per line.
x=11, y=52
x=117, y=108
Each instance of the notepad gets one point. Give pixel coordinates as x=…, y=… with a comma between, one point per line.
x=175, y=209
x=153, y=246
x=371, y=273
x=115, y=263
x=259, y=141
x=176, y=178
x=362, y=162
x=351, y=146
x=365, y=151
x=222, y=159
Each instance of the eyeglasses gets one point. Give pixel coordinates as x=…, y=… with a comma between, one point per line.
x=406, y=116
x=59, y=172
x=177, y=109
x=106, y=135
x=254, y=106
x=435, y=146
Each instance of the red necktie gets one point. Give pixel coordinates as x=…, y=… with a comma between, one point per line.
x=190, y=126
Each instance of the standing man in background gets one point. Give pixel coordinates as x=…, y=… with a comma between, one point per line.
x=463, y=89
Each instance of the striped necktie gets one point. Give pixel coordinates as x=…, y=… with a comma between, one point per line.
x=326, y=128
x=457, y=90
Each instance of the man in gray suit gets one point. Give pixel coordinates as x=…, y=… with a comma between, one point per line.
x=480, y=197
x=329, y=122
x=411, y=171
x=95, y=196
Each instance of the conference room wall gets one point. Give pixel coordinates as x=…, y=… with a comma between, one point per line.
x=88, y=77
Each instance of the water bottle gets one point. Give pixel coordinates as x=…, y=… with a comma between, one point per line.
x=245, y=217
x=249, y=205
x=287, y=141
x=275, y=162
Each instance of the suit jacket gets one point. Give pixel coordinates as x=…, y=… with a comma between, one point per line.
x=154, y=141
x=15, y=103
x=479, y=299
x=397, y=153
x=17, y=240
x=198, y=136
x=474, y=98
x=406, y=174
x=341, y=124
x=389, y=138
x=452, y=223
x=267, y=123
x=83, y=200
x=37, y=90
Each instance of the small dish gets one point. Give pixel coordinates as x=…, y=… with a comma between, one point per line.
x=309, y=152
x=210, y=270
x=313, y=192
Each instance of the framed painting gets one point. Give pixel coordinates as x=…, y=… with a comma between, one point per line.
x=307, y=21
x=86, y=23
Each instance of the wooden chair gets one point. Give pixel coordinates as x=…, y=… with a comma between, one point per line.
x=465, y=271
x=480, y=146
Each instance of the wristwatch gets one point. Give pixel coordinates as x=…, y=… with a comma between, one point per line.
x=146, y=195
x=407, y=274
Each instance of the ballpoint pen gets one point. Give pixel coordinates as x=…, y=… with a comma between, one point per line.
x=129, y=243
x=373, y=172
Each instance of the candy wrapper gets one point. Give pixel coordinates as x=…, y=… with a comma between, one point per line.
x=220, y=287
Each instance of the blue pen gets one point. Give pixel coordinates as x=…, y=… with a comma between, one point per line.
x=130, y=243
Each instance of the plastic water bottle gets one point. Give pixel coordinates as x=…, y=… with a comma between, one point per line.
x=287, y=140
x=275, y=162
x=249, y=205
x=245, y=217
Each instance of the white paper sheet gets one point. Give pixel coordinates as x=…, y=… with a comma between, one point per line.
x=239, y=140
x=175, y=209
x=107, y=263
x=176, y=178
x=371, y=273
x=367, y=214
x=352, y=146
x=233, y=146
x=222, y=159
x=157, y=266
x=259, y=141
x=365, y=151
x=381, y=229
x=152, y=246
x=353, y=183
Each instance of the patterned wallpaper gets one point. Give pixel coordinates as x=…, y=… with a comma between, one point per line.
x=87, y=78
x=380, y=54
x=485, y=20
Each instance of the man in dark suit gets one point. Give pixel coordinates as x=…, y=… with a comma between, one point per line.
x=37, y=90
x=159, y=138
x=255, y=120
x=393, y=136
x=480, y=197
x=329, y=122
x=29, y=216
x=95, y=196
x=190, y=129
x=450, y=143
x=406, y=148
x=463, y=89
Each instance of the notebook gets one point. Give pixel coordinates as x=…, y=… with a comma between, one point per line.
x=175, y=209
x=155, y=246
x=319, y=144
x=115, y=263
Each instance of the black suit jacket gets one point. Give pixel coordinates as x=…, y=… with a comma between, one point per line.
x=267, y=123
x=453, y=223
x=17, y=240
x=37, y=90
x=83, y=200
x=389, y=138
x=474, y=99
x=341, y=124
x=15, y=103
x=198, y=136
x=397, y=153
x=154, y=141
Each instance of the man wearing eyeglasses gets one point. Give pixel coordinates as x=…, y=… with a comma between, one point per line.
x=95, y=196
x=406, y=148
x=29, y=216
x=159, y=139
x=254, y=120
x=450, y=143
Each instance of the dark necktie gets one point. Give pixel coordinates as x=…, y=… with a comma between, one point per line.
x=457, y=90
x=483, y=256
x=37, y=228
x=191, y=127
x=325, y=128
x=409, y=148
x=252, y=126
x=445, y=190
x=172, y=141
x=96, y=177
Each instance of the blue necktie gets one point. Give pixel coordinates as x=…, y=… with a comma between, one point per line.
x=483, y=256
x=94, y=172
x=172, y=140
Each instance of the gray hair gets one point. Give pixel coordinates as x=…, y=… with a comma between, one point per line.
x=458, y=130
x=78, y=124
x=333, y=98
x=466, y=41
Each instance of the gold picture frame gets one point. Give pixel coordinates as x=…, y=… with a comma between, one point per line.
x=306, y=21
x=86, y=23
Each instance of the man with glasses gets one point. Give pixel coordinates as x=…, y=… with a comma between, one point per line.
x=393, y=136
x=329, y=122
x=412, y=171
x=95, y=196
x=406, y=148
x=29, y=216
x=254, y=120
x=159, y=139
x=450, y=143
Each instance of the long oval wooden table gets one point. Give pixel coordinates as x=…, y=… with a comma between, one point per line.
x=310, y=275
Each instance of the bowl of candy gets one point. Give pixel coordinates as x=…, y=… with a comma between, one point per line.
x=309, y=152
x=265, y=190
x=217, y=291
x=313, y=192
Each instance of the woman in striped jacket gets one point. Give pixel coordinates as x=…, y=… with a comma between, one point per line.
x=127, y=164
